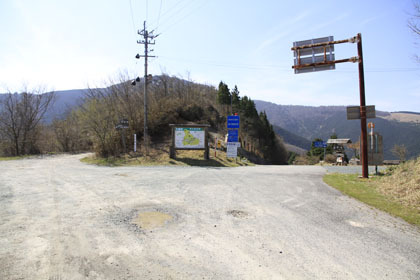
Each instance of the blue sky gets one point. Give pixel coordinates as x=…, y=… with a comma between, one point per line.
x=73, y=44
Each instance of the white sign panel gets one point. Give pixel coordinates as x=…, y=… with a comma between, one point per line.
x=314, y=55
x=189, y=137
x=232, y=149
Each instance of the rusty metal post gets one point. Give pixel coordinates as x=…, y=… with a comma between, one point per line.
x=364, y=154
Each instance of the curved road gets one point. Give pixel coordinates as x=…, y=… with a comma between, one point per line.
x=62, y=219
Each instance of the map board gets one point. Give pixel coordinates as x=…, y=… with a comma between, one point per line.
x=189, y=138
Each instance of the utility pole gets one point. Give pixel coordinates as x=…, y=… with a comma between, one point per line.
x=365, y=167
x=146, y=41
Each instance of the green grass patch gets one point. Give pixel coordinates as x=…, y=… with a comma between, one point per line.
x=12, y=158
x=366, y=191
x=183, y=158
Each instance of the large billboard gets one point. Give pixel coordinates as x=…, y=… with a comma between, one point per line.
x=189, y=138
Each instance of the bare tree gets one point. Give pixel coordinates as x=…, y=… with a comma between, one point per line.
x=399, y=151
x=414, y=22
x=20, y=117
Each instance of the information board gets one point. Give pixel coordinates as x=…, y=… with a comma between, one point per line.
x=189, y=138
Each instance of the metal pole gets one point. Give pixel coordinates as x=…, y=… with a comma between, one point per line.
x=365, y=168
x=231, y=110
x=145, y=88
x=123, y=139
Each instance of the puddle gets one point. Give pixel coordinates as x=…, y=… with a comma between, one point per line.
x=151, y=220
x=355, y=224
x=237, y=213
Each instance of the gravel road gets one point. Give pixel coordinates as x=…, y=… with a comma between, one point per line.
x=351, y=169
x=62, y=219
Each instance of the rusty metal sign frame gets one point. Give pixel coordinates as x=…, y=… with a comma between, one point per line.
x=356, y=39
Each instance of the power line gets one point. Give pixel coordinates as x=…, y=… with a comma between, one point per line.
x=177, y=9
x=132, y=16
x=186, y=15
x=278, y=67
x=160, y=9
x=147, y=9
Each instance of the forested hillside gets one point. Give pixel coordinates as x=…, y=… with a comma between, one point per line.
x=321, y=122
x=86, y=119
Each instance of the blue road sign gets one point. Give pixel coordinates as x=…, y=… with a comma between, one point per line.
x=233, y=122
x=320, y=144
x=233, y=135
x=233, y=132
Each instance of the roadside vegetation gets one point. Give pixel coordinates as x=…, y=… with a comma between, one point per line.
x=92, y=126
x=396, y=191
x=159, y=158
x=11, y=158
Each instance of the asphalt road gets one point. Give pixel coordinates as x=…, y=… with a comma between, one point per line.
x=62, y=219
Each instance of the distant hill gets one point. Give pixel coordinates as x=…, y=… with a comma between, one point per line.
x=409, y=117
x=292, y=139
x=320, y=122
x=65, y=100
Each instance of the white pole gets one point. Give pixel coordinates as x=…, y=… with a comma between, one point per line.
x=135, y=143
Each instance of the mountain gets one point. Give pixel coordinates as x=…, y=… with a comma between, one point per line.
x=65, y=100
x=292, y=139
x=321, y=122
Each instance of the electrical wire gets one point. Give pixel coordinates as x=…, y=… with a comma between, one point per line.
x=279, y=67
x=187, y=15
x=132, y=16
x=147, y=9
x=178, y=8
x=160, y=9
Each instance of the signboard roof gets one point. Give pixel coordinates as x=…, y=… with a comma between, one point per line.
x=339, y=141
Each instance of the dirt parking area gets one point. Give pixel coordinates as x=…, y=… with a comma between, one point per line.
x=62, y=219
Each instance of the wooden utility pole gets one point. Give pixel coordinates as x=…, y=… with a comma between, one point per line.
x=146, y=41
x=364, y=152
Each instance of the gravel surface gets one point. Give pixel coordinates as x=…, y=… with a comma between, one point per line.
x=349, y=169
x=62, y=219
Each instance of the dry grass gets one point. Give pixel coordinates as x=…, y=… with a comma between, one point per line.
x=366, y=190
x=402, y=183
x=396, y=192
x=306, y=160
x=161, y=157
x=403, y=117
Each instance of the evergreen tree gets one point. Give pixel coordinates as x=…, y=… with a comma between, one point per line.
x=223, y=94
x=235, y=96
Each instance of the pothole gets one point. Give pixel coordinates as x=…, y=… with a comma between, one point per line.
x=238, y=213
x=151, y=220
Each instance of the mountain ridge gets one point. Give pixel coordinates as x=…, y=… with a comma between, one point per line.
x=321, y=122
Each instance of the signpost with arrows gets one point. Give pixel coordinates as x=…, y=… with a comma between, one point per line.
x=317, y=55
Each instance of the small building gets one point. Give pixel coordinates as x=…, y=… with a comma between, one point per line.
x=338, y=147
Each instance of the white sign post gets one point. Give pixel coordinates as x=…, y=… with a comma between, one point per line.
x=135, y=143
x=232, y=149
